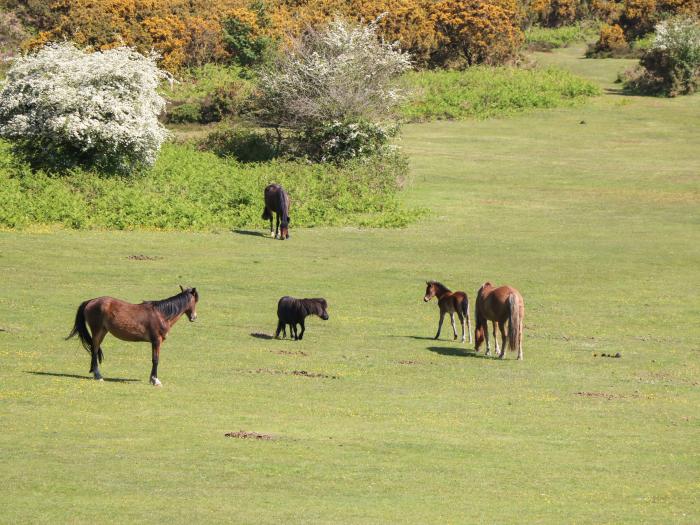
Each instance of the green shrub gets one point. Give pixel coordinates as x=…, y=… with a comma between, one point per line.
x=671, y=65
x=545, y=38
x=243, y=144
x=192, y=190
x=484, y=92
x=208, y=94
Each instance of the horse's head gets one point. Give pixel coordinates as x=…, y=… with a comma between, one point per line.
x=478, y=336
x=322, y=307
x=284, y=228
x=192, y=298
x=429, y=291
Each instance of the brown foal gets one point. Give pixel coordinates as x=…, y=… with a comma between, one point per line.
x=149, y=321
x=499, y=305
x=450, y=303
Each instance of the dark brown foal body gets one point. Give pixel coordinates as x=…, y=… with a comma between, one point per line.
x=450, y=303
x=500, y=306
x=149, y=321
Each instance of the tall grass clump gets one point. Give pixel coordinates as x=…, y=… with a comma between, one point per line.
x=482, y=92
x=540, y=38
x=193, y=190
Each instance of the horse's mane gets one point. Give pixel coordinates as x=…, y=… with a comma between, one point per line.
x=172, y=306
x=313, y=306
x=439, y=285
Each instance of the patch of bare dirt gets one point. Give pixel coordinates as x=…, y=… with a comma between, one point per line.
x=607, y=395
x=303, y=373
x=409, y=362
x=289, y=352
x=243, y=434
x=142, y=257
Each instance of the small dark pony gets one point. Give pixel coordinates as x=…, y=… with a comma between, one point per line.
x=450, y=302
x=277, y=201
x=499, y=305
x=293, y=312
x=149, y=321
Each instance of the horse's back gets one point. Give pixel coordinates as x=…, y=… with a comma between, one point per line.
x=272, y=192
x=288, y=308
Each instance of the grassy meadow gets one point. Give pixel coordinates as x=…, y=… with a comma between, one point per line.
x=590, y=211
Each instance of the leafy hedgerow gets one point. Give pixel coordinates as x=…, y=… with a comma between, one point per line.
x=483, y=92
x=192, y=190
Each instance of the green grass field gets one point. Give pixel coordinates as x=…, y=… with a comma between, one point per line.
x=592, y=212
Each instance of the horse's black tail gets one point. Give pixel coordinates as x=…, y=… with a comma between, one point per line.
x=266, y=214
x=80, y=329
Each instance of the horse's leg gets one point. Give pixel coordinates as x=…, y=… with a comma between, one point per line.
x=486, y=336
x=272, y=234
x=469, y=328
x=495, y=337
x=293, y=330
x=277, y=223
x=462, y=323
x=454, y=328
x=155, y=354
x=442, y=318
x=502, y=327
x=520, y=341
x=280, y=327
x=97, y=338
x=303, y=328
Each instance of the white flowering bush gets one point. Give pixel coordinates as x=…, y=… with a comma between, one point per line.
x=671, y=65
x=341, y=77
x=62, y=107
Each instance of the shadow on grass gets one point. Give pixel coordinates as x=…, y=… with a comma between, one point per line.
x=75, y=376
x=418, y=337
x=250, y=232
x=259, y=335
x=459, y=352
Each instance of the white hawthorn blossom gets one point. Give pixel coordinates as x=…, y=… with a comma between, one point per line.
x=102, y=106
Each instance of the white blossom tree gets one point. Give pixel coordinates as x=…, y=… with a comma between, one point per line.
x=334, y=86
x=62, y=106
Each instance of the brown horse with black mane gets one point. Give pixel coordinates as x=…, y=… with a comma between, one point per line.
x=149, y=321
x=277, y=201
x=499, y=305
x=450, y=302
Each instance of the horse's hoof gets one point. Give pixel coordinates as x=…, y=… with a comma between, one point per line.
x=272, y=235
x=156, y=382
x=99, y=379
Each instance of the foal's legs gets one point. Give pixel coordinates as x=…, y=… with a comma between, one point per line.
x=155, y=351
x=303, y=328
x=464, y=327
x=486, y=336
x=520, y=341
x=442, y=318
x=454, y=328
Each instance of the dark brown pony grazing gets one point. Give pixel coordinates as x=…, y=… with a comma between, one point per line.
x=277, y=201
x=450, y=302
x=500, y=305
x=149, y=321
x=291, y=311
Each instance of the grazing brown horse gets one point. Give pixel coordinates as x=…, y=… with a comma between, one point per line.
x=499, y=305
x=450, y=302
x=149, y=321
x=277, y=201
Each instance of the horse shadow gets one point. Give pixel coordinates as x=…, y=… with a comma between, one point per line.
x=76, y=376
x=251, y=233
x=259, y=335
x=456, y=352
x=418, y=337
